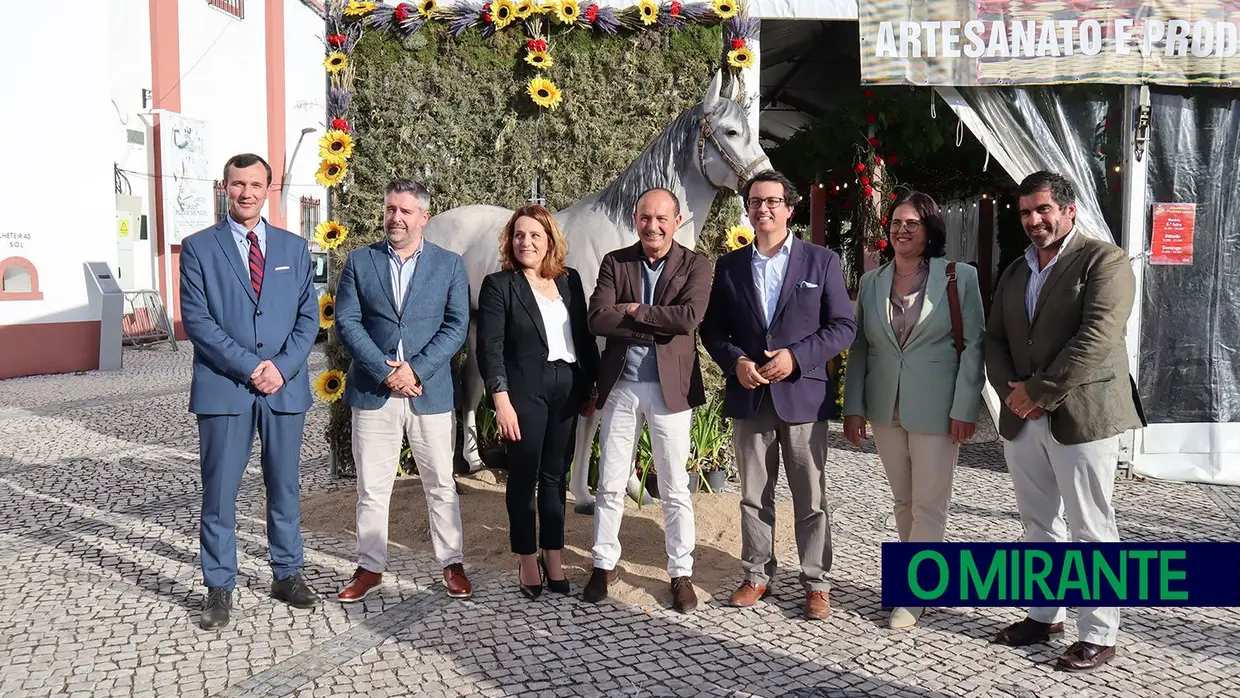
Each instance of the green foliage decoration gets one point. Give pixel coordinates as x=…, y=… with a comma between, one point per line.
x=447, y=111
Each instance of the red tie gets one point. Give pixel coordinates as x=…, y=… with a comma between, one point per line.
x=256, y=264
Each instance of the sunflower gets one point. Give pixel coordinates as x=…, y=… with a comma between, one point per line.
x=331, y=173
x=726, y=9
x=327, y=311
x=335, y=62
x=426, y=7
x=329, y=234
x=336, y=145
x=544, y=93
x=648, y=11
x=357, y=8
x=738, y=237
x=567, y=11
x=740, y=58
x=545, y=7
x=503, y=13
x=525, y=8
x=329, y=386
x=539, y=59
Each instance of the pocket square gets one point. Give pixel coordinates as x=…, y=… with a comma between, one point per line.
x=283, y=268
x=807, y=284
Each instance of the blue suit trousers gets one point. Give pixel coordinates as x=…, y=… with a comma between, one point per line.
x=225, y=445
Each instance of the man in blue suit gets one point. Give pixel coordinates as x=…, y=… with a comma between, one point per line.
x=779, y=311
x=402, y=311
x=248, y=305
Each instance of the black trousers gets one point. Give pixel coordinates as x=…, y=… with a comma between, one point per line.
x=538, y=463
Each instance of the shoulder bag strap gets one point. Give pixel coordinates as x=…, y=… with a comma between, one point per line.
x=953, y=301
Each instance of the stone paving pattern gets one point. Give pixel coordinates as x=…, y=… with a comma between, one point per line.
x=99, y=494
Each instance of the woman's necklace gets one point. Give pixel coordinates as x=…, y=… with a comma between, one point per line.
x=916, y=271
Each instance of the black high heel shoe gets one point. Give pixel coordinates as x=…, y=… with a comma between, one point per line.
x=530, y=591
x=559, y=586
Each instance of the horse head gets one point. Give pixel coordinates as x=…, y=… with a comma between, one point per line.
x=728, y=149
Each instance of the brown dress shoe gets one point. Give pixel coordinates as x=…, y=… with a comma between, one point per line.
x=456, y=582
x=749, y=594
x=1085, y=656
x=596, y=588
x=684, y=599
x=363, y=582
x=1027, y=632
x=817, y=605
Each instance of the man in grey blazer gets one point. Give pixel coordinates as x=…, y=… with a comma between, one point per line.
x=402, y=311
x=249, y=308
x=1055, y=353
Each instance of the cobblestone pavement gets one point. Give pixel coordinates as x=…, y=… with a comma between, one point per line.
x=100, y=591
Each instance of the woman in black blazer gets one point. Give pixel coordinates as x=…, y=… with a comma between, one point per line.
x=538, y=361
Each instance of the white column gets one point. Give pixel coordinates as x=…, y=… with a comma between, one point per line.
x=1135, y=207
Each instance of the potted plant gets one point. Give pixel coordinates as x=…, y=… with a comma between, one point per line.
x=490, y=447
x=709, y=438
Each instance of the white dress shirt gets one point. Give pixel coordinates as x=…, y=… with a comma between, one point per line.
x=768, y=276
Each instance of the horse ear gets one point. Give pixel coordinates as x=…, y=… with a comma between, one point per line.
x=714, y=93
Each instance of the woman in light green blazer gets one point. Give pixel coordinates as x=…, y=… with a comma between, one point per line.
x=904, y=377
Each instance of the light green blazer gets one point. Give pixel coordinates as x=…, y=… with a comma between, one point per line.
x=932, y=387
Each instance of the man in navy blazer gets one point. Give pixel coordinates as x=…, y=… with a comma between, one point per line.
x=779, y=311
x=249, y=307
x=402, y=311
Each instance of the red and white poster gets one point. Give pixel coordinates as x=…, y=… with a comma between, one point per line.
x=1172, y=239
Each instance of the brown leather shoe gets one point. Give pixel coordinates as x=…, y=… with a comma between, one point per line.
x=748, y=594
x=456, y=582
x=1085, y=656
x=817, y=605
x=684, y=599
x=363, y=582
x=1027, y=632
x=596, y=588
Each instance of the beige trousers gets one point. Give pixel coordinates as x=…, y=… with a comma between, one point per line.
x=376, y=451
x=920, y=468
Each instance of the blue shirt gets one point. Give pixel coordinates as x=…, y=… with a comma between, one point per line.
x=401, y=271
x=241, y=237
x=1038, y=277
x=768, y=276
x=641, y=363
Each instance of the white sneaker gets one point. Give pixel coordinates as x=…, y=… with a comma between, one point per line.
x=904, y=618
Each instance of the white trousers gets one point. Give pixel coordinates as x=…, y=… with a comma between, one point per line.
x=376, y=451
x=1052, y=480
x=920, y=468
x=628, y=406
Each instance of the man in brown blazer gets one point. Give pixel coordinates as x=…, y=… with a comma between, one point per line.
x=1055, y=352
x=648, y=302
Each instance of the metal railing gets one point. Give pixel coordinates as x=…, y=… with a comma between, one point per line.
x=145, y=320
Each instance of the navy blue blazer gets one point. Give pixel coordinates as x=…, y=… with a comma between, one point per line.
x=233, y=331
x=813, y=318
x=432, y=322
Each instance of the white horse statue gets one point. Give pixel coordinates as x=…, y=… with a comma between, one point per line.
x=710, y=146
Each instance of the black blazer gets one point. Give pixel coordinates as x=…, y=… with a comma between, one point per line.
x=512, y=342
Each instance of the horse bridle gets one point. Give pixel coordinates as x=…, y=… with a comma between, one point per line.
x=708, y=134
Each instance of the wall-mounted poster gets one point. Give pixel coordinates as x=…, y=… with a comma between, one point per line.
x=189, y=203
x=1172, y=238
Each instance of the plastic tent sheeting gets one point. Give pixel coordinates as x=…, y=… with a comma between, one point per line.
x=1027, y=129
x=1189, y=365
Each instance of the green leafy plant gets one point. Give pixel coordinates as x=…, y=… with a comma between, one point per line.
x=710, y=438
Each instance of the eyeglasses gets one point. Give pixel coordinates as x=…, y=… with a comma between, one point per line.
x=911, y=226
x=770, y=201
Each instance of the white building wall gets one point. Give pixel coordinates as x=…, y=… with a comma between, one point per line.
x=305, y=92
x=62, y=143
x=129, y=36
x=224, y=78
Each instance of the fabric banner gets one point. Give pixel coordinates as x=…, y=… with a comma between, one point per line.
x=189, y=196
x=1022, y=42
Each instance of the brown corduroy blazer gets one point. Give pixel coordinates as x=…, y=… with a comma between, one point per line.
x=670, y=323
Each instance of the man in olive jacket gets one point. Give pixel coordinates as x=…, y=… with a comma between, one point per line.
x=1055, y=352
